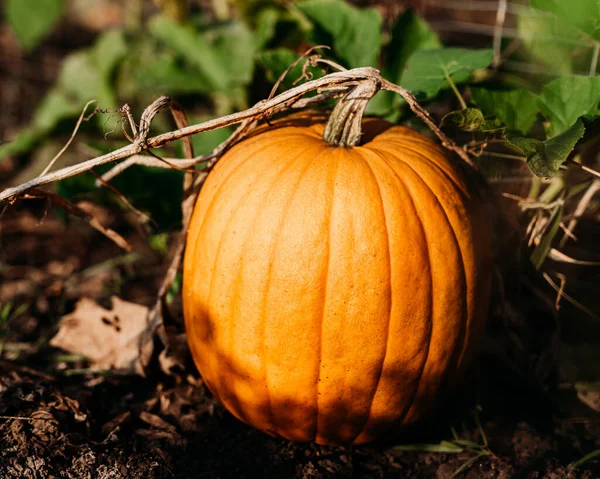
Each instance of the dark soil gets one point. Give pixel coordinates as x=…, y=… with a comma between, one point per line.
x=134, y=427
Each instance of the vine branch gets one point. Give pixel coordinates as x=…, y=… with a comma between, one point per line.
x=334, y=84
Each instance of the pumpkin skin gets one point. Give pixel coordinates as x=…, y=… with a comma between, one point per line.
x=334, y=294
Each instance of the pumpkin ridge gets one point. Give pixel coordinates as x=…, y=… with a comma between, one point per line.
x=391, y=298
x=222, y=184
x=230, y=346
x=272, y=253
x=463, y=274
x=467, y=285
x=199, y=237
x=390, y=164
x=426, y=159
x=325, y=291
x=232, y=397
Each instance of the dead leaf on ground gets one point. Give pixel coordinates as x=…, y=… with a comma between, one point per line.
x=109, y=339
x=590, y=399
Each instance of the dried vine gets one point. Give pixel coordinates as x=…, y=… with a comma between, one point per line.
x=334, y=84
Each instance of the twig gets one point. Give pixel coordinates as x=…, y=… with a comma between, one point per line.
x=10, y=365
x=567, y=232
x=574, y=302
x=62, y=150
x=140, y=214
x=279, y=81
x=588, y=169
x=285, y=100
x=560, y=257
x=77, y=211
x=580, y=210
x=532, y=204
x=594, y=63
x=150, y=161
x=500, y=19
x=561, y=290
x=424, y=115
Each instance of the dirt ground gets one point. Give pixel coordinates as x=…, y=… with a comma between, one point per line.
x=61, y=420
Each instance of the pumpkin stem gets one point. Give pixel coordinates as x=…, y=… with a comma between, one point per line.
x=344, y=127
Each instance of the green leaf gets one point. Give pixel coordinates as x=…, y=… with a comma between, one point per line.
x=467, y=119
x=32, y=20
x=25, y=140
x=427, y=71
x=356, y=33
x=491, y=125
x=266, y=24
x=81, y=79
x=586, y=458
x=167, y=76
x=55, y=107
x=540, y=253
x=443, y=447
x=550, y=41
x=108, y=51
x=409, y=34
x=517, y=109
x=235, y=47
x=583, y=14
x=277, y=61
x=85, y=75
x=564, y=100
x=221, y=58
x=545, y=157
x=186, y=41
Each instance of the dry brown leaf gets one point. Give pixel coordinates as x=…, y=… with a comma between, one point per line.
x=590, y=399
x=109, y=339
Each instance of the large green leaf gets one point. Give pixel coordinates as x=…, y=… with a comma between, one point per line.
x=235, y=47
x=85, y=75
x=428, y=71
x=108, y=51
x=265, y=25
x=517, y=109
x=409, y=34
x=221, y=58
x=550, y=40
x=356, y=33
x=545, y=157
x=32, y=20
x=564, y=100
x=187, y=42
x=166, y=75
x=583, y=14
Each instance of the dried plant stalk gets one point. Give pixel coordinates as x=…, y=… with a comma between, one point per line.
x=338, y=82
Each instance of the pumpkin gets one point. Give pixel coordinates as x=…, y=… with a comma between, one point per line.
x=334, y=294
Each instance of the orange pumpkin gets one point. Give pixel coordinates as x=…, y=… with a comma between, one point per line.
x=334, y=294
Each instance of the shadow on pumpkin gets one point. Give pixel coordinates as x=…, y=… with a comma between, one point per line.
x=291, y=417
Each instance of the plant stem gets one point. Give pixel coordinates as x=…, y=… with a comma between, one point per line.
x=461, y=100
x=344, y=127
x=536, y=185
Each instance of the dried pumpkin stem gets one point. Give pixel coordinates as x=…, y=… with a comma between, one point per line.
x=344, y=127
